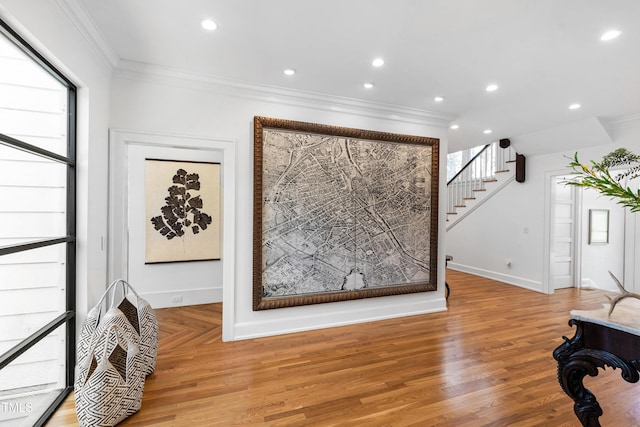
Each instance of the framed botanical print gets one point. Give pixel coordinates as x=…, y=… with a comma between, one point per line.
x=182, y=211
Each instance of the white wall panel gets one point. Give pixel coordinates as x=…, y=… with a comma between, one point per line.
x=32, y=275
x=512, y=225
x=19, y=301
x=179, y=106
x=30, y=98
x=599, y=259
x=17, y=327
x=33, y=199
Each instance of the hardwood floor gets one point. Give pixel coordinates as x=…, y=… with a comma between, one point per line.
x=485, y=362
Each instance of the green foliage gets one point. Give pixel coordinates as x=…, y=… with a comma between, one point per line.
x=182, y=209
x=598, y=176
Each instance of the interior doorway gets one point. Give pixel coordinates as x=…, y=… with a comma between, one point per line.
x=572, y=258
x=564, y=271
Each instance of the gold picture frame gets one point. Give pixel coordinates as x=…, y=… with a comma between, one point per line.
x=341, y=213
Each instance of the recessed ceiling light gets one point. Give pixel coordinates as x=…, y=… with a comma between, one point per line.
x=368, y=85
x=438, y=99
x=610, y=35
x=492, y=87
x=487, y=131
x=454, y=126
x=289, y=71
x=378, y=62
x=574, y=106
x=209, y=25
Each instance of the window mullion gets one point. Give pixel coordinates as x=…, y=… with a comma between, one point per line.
x=49, y=139
x=6, y=250
x=30, y=341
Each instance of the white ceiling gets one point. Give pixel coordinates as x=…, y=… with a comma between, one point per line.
x=543, y=54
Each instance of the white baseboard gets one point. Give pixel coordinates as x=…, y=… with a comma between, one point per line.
x=521, y=282
x=183, y=297
x=587, y=283
x=299, y=323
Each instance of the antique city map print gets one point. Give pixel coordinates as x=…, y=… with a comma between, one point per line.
x=343, y=214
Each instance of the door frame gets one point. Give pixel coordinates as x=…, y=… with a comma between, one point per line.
x=549, y=202
x=120, y=141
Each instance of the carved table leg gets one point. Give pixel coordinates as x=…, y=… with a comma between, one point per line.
x=576, y=362
x=571, y=376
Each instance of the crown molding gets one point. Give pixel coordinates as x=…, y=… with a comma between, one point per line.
x=83, y=22
x=163, y=75
x=625, y=119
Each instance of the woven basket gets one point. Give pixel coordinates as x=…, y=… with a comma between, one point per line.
x=110, y=389
x=136, y=320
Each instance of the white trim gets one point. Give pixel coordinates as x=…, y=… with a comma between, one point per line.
x=521, y=282
x=577, y=235
x=282, y=96
x=119, y=143
x=629, y=270
x=587, y=283
x=350, y=316
x=546, y=243
x=187, y=297
x=480, y=202
x=546, y=236
x=625, y=119
x=77, y=13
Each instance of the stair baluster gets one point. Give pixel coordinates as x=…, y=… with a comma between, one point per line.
x=473, y=177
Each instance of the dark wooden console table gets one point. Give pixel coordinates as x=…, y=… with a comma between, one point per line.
x=600, y=341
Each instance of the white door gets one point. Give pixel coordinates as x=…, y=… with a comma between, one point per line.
x=562, y=262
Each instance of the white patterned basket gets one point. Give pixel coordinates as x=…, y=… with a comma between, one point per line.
x=111, y=387
x=136, y=320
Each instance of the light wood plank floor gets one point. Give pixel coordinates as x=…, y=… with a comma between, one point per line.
x=485, y=362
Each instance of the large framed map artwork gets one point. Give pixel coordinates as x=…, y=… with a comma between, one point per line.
x=341, y=213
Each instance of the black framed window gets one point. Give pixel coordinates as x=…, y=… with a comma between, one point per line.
x=37, y=233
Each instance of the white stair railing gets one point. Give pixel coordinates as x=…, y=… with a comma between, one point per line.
x=481, y=169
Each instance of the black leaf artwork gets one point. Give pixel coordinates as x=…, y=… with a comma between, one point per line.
x=182, y=210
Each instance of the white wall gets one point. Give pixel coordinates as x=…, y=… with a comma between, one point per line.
x=176, y=283
x=495, y=233
x=52, y=28
x=504, y=229
x=162, y=102
x=600, y=258
x=206, y=109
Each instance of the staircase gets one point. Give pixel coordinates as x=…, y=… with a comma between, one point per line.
x=485, y=174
